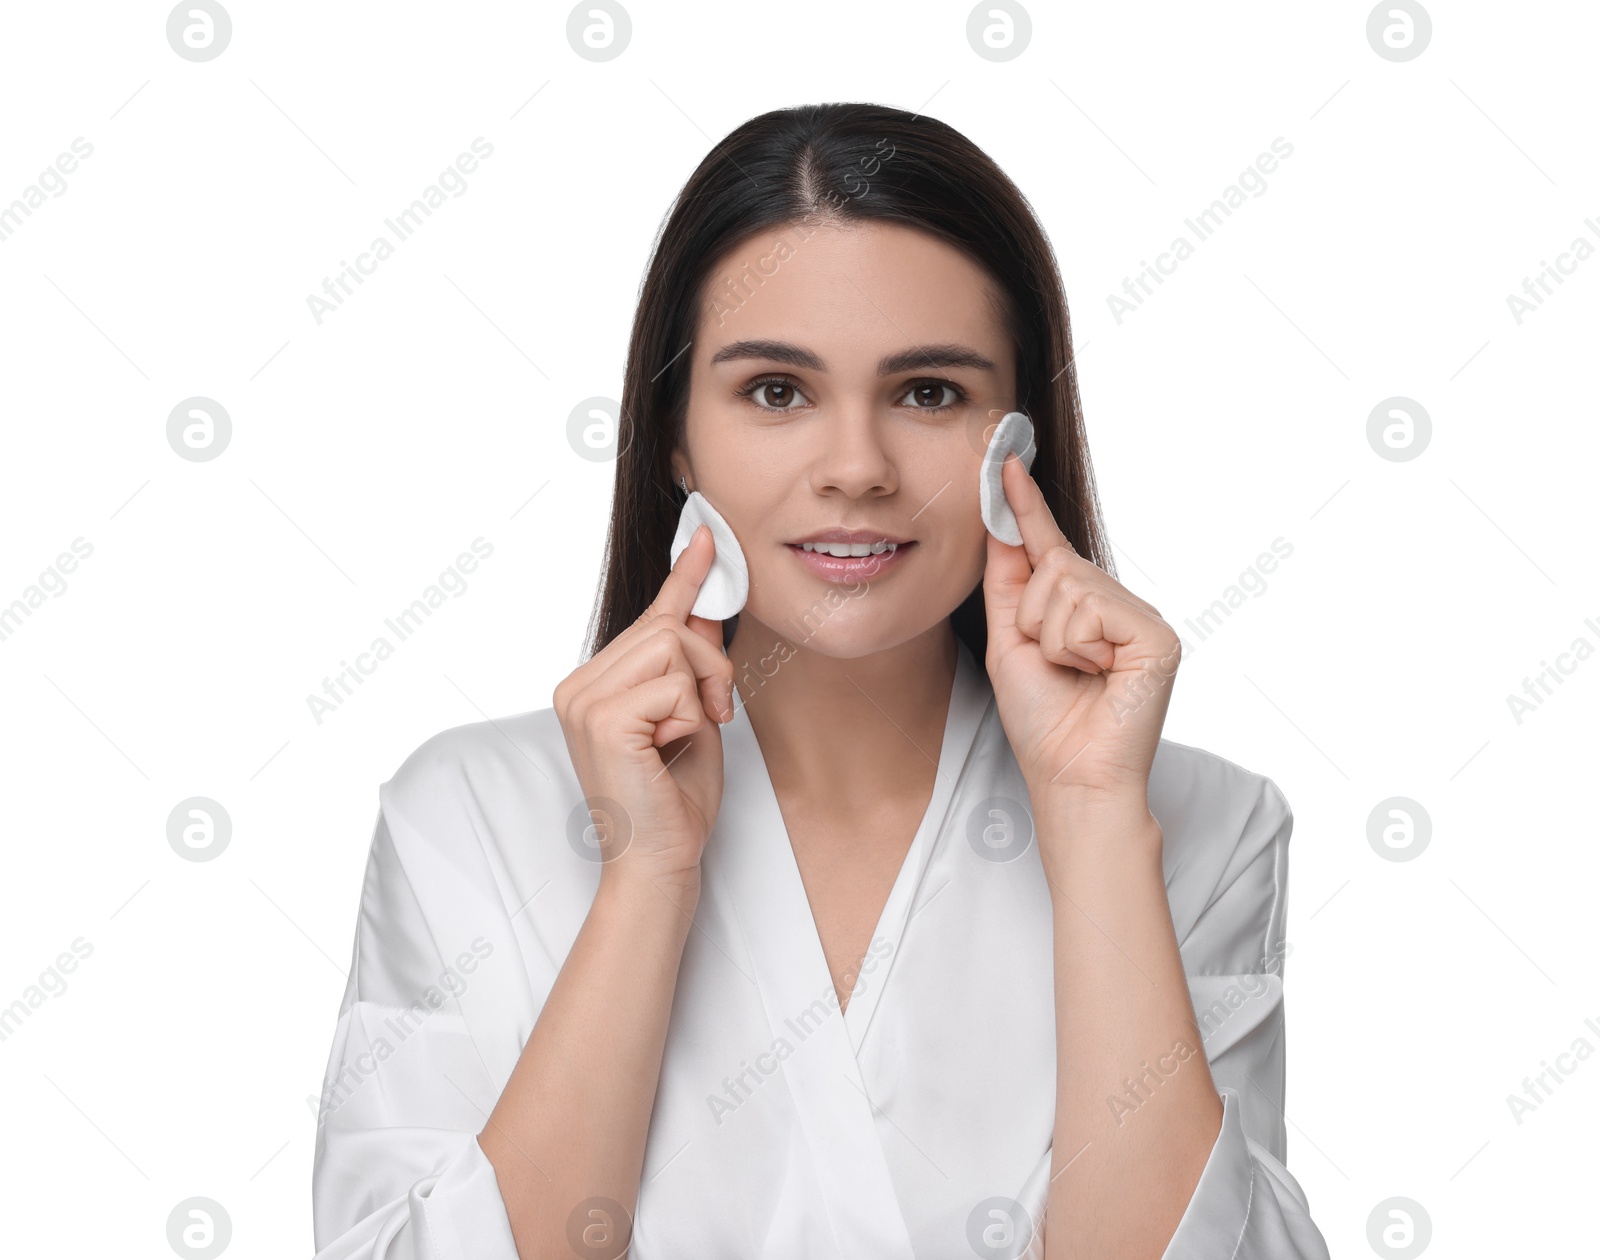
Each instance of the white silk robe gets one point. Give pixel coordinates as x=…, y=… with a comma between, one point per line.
x=916, y=1123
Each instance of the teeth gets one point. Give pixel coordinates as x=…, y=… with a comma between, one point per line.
x=845, y=550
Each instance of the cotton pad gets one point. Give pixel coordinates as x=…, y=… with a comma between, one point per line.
x=1013, y=433
x=727, y=585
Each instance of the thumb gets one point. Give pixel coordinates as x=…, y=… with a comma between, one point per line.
x=706, y=628
x=1005, y=576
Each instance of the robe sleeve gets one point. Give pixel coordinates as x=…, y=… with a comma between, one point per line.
x=1246, y=1205
x=398, y=1173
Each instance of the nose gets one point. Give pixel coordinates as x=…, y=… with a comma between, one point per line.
x=854, y=459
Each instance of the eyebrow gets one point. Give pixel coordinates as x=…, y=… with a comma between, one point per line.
x=942, y=355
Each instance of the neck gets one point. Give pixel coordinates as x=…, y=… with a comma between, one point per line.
x=845, y=728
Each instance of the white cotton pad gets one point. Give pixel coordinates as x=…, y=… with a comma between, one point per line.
x=1013, y=433
x=727, y=585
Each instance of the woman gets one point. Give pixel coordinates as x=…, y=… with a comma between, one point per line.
x=877, y=920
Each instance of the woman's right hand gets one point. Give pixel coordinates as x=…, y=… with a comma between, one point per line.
x=641, y=724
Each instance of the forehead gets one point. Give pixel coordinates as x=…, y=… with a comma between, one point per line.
x=858, y=288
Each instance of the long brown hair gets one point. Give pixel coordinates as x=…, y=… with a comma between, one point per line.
x=845, y=161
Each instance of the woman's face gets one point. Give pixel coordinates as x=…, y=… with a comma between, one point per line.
x=848, y=377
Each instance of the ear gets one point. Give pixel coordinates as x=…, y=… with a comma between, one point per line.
x=680, y=468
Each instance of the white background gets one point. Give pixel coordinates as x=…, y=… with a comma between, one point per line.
x=430, y=409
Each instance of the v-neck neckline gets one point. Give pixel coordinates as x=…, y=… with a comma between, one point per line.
x=755, y=888
x=969, y=692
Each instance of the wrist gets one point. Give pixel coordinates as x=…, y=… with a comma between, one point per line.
x=638, y=890
x=1083, y=834
x=1122, y=805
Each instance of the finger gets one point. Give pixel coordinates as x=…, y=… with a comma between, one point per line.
x=673, y=647
x=1031, y=510
x=1116, y=588
x=1006, y=572
x=688, y=573
x=1060, y=581
x=656, y=712
x=1092, y=577
x=1059, y=641
x=707, y=628
x=1039, y=529
x=682, y=584
x=1102, y=629
x=677, y=594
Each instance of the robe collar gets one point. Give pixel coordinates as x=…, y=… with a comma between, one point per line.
x=752, y=869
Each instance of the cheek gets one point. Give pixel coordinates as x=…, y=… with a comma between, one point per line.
x=957, y=544
x=975, y=554
x=743, y=493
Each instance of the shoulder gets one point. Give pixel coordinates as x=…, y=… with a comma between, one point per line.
x=1225, y=836
x=470, y=828
x=1195, y=786
x=478, y=776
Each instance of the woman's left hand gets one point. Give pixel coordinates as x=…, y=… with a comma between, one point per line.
x=1082, y=668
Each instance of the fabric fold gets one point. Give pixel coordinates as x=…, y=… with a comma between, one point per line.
x=917, y=1121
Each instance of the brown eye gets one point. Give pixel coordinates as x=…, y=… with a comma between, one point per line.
x=772, y=393
x=931, y=395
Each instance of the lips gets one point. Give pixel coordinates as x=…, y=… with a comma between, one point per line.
x=851, y=536
x=848, y=549
x=853, y=568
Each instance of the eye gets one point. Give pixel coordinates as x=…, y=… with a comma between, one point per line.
x=928, y=395
x=772, y=393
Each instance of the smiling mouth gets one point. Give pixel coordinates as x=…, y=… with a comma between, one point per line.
x=851, y=562
x=850, y=550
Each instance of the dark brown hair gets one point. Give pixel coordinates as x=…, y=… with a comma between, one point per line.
x=840, y=161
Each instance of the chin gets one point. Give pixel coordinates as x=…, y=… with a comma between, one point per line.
x=842, y=625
